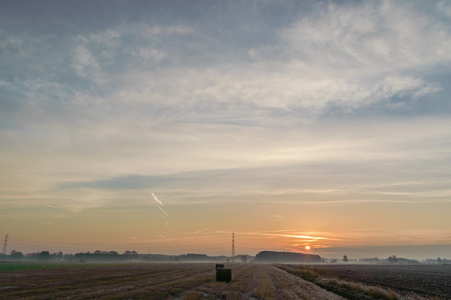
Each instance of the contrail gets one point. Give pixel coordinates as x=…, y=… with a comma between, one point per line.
x=160, y=204
x=157, y=200
x=163, y=210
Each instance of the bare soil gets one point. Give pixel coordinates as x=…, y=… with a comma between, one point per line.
x=428, y=281
x=197, y=281
x=157, y=281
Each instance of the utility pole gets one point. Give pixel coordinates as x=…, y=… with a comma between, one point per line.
x=4, y=246
x=233, y=247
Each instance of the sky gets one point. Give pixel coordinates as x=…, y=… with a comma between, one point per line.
x=166, y=126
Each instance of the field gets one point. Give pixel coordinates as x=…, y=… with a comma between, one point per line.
x=197, y=281
x=405, y=281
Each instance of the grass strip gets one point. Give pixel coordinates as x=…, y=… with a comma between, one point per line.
x=347, y=289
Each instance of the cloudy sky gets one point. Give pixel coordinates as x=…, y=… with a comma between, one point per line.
x=164, y=126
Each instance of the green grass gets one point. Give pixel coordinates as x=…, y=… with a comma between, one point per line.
x=347, y=289
x=21, y=266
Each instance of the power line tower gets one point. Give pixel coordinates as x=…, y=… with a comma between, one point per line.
x=4, y=246
x=233, y=247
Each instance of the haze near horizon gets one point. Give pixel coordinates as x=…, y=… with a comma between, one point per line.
x=164, y=126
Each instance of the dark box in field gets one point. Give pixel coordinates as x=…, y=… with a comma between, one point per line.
x=223, y=275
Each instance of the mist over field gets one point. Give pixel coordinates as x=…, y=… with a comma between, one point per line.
x=162, y=127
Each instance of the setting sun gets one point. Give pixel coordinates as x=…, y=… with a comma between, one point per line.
x=307, y=247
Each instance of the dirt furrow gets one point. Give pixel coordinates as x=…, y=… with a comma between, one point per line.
x=291, y=287
x=198, y=281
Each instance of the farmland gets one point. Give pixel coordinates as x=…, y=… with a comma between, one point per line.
x=197, y=281
x=366, y=281
x=427, y=280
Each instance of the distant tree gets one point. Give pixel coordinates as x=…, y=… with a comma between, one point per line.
x=68, y=257
x=345, y=258
x=393, y=259
x=274, y=256
x=243, y=259
x=44, y=255
x=439, y=260
x=131, y=255
x=16, y=255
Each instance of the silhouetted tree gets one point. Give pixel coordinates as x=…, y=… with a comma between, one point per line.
x=44, y=255
x=68, y=257
x=16, y=255
x=345, y=258
x=131, y=255
x=273, y=256
x=393, y=259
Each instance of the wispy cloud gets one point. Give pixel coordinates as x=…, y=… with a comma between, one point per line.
x=326, y=105
x=180, y=238
x=280, y=233
x=199, y=232
x=306, y=237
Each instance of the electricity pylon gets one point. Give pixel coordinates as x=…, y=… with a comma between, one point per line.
x=4, y=246
x=233, y=247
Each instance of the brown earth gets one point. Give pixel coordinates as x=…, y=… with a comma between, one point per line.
x=429, y=281
x=157, y=281
x=173, y=281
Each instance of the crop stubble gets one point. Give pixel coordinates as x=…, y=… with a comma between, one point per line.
x=156, y=281
x=179, y=281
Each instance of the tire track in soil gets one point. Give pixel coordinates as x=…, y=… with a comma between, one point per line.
x=165, y=281
x=252, y=286
x=241, y=276
x=288, y=286
x=262, y=281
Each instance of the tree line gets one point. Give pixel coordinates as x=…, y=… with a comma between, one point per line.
x=113, y=256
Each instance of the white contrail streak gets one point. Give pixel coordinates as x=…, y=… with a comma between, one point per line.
x=159, y=204
x=163, y=210
x=157, y=200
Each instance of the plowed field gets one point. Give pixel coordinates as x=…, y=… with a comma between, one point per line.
x=182, y=281
x=429, y=281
